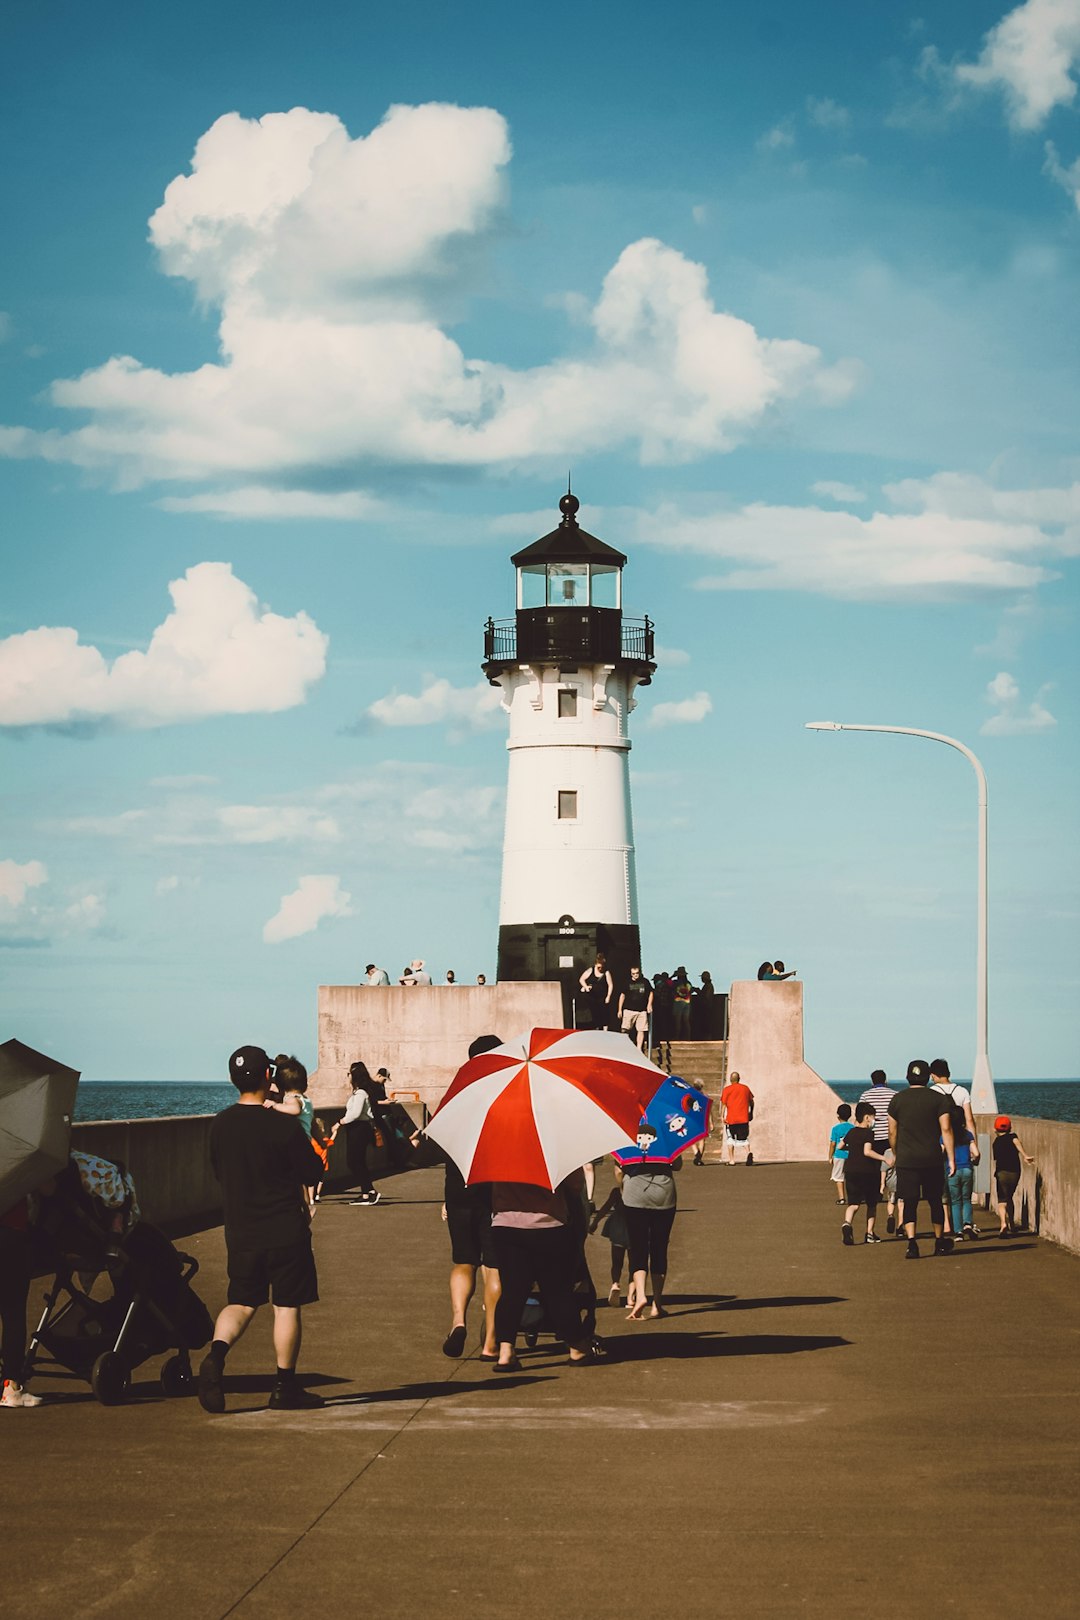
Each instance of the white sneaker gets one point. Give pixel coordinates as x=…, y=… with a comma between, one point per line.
x=15, y=1395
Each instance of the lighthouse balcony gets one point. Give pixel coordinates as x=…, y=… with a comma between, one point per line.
x=561, y=636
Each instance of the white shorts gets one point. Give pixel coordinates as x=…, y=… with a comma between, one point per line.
x=634, y=1020
x=838, y=1168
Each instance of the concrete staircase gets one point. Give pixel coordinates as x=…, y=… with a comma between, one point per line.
x=699, y=1060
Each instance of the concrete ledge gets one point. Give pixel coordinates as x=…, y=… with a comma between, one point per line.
x=422, y=1034
x=794, y=1109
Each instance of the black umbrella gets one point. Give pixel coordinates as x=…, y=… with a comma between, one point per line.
x=37, y=1101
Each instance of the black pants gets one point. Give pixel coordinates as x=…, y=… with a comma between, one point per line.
x=650, y=1230
x=913, y=1184
x=548, y=1257
x=14, y=1293
x=358, y=1139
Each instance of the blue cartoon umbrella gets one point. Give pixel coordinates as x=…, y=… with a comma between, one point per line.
x=679, y=1114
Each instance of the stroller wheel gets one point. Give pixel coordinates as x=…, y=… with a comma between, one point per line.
x=109, y=1378
x=177, y=1377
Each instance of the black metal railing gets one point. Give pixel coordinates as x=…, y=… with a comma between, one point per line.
x=569, y=635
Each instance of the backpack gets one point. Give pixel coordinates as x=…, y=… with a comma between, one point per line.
x=957, y=1117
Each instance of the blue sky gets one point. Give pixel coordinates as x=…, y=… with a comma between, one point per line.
x=308, y=315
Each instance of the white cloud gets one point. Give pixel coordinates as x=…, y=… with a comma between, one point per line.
x=832, y=490
x=777, y=139
x=1067, y=176
x=272, y=824
x=959, y=534
x=699, y=213
x=328, y=259
x=17, y=880
x=465, y=708
x=167, y=885
x=684, y=712
x=1030, y=57
x=302, y=911
x=1014, y=718
x=28, y=918
x=826, y=113
x=216, y=653
x=671, y=657
x=406, y=808
x=277, y=505
x=87, y=912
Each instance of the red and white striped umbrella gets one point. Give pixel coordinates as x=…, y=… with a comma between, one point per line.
x=539, y=1106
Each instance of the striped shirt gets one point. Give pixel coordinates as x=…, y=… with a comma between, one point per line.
x=879, y=1097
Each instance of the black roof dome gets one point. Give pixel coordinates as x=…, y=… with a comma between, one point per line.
x=568, y=543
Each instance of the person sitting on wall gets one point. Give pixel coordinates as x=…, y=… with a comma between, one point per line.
x=375, y=975
x=765, y=971
x=780, y=972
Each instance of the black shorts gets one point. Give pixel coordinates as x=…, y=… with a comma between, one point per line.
x=470, y=1235
x=286, y=1275
x=913, y=1184
x=862, y=1188
x=737, y=1132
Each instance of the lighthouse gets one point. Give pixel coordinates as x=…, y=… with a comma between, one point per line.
x=568, y=665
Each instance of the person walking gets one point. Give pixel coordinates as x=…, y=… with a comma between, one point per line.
x=263, y=1161
x=534, y=1243
x=635, y=1006
x=613, y=1214
x=1007, y=1150
x=649, y=1205
x=736, y=1112
x=467, y=1213
x=358, y=1123
x=920, y=1124
x=963, y=1124
x=837, y=1150
x=862, y=1174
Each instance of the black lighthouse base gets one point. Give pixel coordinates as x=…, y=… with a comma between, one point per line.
x=563, y=950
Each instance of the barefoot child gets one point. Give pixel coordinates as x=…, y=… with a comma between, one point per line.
x=1008, y=1151
x=615, y=1231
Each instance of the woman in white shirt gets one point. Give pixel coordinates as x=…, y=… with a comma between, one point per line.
x=358, y=1123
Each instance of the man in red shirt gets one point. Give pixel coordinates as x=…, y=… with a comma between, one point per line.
x=736, y=1111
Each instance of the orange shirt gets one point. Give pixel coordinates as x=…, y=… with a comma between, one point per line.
x=736, y=1100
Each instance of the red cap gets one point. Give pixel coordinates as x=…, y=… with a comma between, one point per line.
x=1003, y=1123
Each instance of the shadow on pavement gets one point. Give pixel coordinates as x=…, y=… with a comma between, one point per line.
x=436, y=1391
x=695, y=1346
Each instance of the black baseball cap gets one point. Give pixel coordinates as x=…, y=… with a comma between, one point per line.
x=247, y=1068
x=917, y=1072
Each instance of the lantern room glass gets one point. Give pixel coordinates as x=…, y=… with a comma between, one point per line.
x=569, y=584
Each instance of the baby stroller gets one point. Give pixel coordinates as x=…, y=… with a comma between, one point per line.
x=91, y=1229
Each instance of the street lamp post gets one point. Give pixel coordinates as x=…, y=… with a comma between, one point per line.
x=983, y=1096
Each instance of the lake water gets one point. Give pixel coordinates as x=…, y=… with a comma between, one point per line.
x=161, y=1099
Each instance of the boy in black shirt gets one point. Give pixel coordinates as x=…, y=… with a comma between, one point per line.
x=262, y=1159
x=920, y=1125
x=862, y=1174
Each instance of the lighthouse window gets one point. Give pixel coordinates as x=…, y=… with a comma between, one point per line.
x=567, y=806
x=568, y=585
x=567, y=703
x=605, y=586
x=532, y=587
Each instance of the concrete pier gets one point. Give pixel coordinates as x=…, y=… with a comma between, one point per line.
x=809, y=1423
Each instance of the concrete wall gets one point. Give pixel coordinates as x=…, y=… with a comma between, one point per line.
x=421, y=1034
x=1048, y=1198
x=170, y=1162
x=794, y=1109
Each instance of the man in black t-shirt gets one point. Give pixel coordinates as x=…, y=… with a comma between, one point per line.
x=635, y=1005
x=262, y=1159
x=920, y=1125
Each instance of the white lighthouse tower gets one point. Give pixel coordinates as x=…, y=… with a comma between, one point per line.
x=568, y=665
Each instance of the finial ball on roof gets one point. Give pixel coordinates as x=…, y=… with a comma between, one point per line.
x=569, y=506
